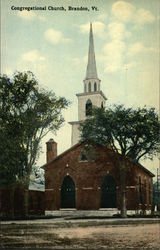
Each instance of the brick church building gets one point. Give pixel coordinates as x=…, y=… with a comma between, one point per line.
x=87, y=177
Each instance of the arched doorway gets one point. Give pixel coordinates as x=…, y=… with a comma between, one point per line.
x=108, y=192
x=68, y=193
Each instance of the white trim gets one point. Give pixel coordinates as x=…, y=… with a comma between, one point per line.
x=87, y=188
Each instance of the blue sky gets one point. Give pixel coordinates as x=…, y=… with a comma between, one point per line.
x=54, y=46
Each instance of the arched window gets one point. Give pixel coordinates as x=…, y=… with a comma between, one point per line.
x=149, y=194
x=108, y=192
x=95, y=86
x=102, y=105
x=68, y=199
x=83, y=156
x=89, y=87
x=88, y=107
x=145, y=191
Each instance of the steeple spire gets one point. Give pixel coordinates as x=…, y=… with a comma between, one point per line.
x=91, y=72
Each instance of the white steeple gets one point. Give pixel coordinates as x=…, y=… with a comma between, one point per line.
x=91, y=72
x=92, y=95
x=91, y=81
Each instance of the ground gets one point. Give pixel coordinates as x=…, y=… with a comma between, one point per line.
x=81, y=234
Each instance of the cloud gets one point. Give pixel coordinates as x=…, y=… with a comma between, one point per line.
x=27, y=15
x=55, y=37
x=123, y=10
x=98, y=27
x=113, y=55
x=117, y=31
x=138, y=47
x=30, y=16
x=114, y=50
x=126, y=12
x=29, y=61
x=33, y=61
x=33, y=56
x=143, y=17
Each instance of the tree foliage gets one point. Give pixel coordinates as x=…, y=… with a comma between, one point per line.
x=27, y=114
x=134, y=133
x=131, y=133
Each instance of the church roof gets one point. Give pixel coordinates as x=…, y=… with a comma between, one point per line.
x=91, y=72
x=106, y=149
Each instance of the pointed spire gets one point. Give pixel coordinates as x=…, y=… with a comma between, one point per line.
x=91, y=72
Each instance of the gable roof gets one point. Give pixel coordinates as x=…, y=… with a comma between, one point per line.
x=104, y=147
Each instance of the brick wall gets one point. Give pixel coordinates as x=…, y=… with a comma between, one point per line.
x=88, y=177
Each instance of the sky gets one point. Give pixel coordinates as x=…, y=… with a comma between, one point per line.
x=53, y=44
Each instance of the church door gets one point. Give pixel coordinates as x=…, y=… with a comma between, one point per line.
x=108, y=193
x=68, y=193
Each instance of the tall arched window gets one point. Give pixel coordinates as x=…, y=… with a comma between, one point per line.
x=102, y=105
x=95, y=86
x=89, y=87
x=149, y=192
x=145, y=191
x=88, y=107
x=83, y=156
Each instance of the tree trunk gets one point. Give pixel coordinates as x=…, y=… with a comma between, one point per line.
x=123, y=190
x=26, y=188
x=12, y=208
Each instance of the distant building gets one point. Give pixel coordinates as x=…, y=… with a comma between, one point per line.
x=87, y=177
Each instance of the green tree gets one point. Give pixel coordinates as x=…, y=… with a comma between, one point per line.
x=131, y=133
x=27, y=114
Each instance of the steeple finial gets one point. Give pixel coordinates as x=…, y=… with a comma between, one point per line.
x=91, y=72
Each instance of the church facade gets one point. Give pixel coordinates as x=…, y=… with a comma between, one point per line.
x=90, y=180
x=87, y=176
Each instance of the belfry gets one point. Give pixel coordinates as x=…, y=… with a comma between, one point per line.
x=92, y=95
